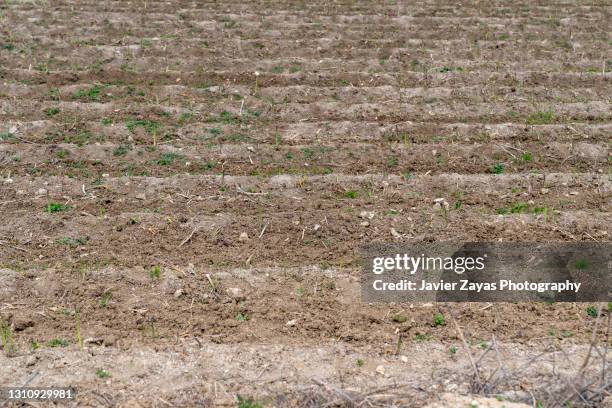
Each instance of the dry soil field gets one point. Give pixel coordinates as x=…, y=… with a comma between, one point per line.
x=184, y=187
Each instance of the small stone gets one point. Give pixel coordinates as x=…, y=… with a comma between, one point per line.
x=404, y=359
x=544, y=190
x=427, y=305
x=395, y=233
x=244, y=237
x=440, y=203
x=31, y=360
x=316, y=227
x=23, y=323
x=292, y=323
x=365, y=224
x=380, y=370
x=109, y=340
x=42, y=191
x=178, y=293
x=367, y=214
x=141, y=196
x=235, y=293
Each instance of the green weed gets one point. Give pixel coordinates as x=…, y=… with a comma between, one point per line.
x=6, y=337
x=122, y=150
x=150, y=126
x=168, y=158
x=50, y=112
x=591, y=311
x=439, y=320
x=581, y=264
x=242, y=317
x=57, y=343
x=541, y=118
x=91, y=94
x=56, y=207
x=155, y=272
x=105, y=298
x=101, y=373
x=498, y=168
x=527, y=157
x=248, y=403
x=73, y=242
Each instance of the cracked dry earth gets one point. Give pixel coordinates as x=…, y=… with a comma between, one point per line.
x=184, y=187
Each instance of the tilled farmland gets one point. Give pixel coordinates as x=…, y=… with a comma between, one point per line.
x=185, y=186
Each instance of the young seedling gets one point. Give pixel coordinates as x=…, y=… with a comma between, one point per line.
x=439, y=320
x=295, y=67
x=483, y=344
x=102, y=373
x=498, y=168
x=50, y=112
x=6, y=136
x=56, y=207
x=6, y=337
x=155, y=272
x=542, y=210
x=92, y=94
x=581, y=264
x=105, y=298
x=122, y=150
x=228, y=22
x=248, y=403
x=242, y=317
x=591, y=311
x=58, y=343
x=527, y=157
x=167, y=158
x=73, y=242
x=540, y=118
